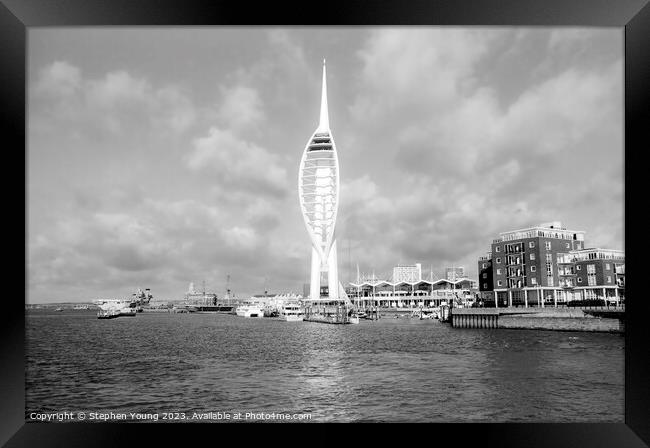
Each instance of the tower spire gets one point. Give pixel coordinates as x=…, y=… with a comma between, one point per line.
x=324, y=123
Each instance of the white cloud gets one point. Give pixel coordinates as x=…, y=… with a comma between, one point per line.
x=437, y=157
x=241, y=107
x=236, y=163
x=116, y=89
x=555, y=115
x=58, y=79
x=114, y=102
x=243, y=238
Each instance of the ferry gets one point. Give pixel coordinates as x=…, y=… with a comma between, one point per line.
x=111, y=308
x=292, y=312
x=250, y=308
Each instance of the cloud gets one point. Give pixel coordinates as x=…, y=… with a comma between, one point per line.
x=241, y=107
x=58, y=79
x=113, y=103
x=446, y=137
x=234, y=163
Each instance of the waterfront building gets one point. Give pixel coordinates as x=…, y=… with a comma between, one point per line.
x=455, y=273
x=485, y=283
x=396, y=292
x=407, y=273
x=318, y=191
x=547, y=265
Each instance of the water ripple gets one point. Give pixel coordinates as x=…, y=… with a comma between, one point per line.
x=386, y=371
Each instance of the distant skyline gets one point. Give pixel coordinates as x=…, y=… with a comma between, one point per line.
x=163, y=156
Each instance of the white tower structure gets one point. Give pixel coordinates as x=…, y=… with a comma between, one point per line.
x=318, y=190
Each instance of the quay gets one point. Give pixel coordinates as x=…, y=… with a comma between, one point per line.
x=570, y=319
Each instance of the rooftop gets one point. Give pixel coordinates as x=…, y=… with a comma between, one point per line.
x=546, y=230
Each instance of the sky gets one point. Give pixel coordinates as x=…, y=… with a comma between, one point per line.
x=157, y=157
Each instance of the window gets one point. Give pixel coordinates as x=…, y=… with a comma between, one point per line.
x=498, y=271
x=591, y=274
x=568, y=245
x=484, y=285
x=498, y=260
x=498, y=282
x=531, y=244
x=609, y=279
x=485, y=275
x=578, y=268
x=607, y=266
x=532, y=256
x=484, y=265
x=549, y=281
x=533, y=281
x=497, y=249
x=533, y=268
x=578, y=246
x=579, y=279
x=548, y=245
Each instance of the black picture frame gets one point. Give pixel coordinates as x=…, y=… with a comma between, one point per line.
x=634, y=15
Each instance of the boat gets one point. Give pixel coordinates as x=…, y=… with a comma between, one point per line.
x=59, y=309
x=354, y=318
x=292, y=312
x=271, y=312
x=201, y=298
x=250, y=308
x=142, y=298
x=112, y=313
x=108, y=314
x=110, y=308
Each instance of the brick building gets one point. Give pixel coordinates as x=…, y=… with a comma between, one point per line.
x=549, y=265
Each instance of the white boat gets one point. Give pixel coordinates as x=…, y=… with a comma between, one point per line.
x=109, y=308
x=292, y=312
x=354, y=319
x=250, y=308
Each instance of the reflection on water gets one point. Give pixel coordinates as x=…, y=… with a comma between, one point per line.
x=388, y=370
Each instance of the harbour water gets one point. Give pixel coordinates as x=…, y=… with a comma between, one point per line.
x=390, y=370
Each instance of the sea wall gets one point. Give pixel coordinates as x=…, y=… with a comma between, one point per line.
x=561, y=319
x=533, y=322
